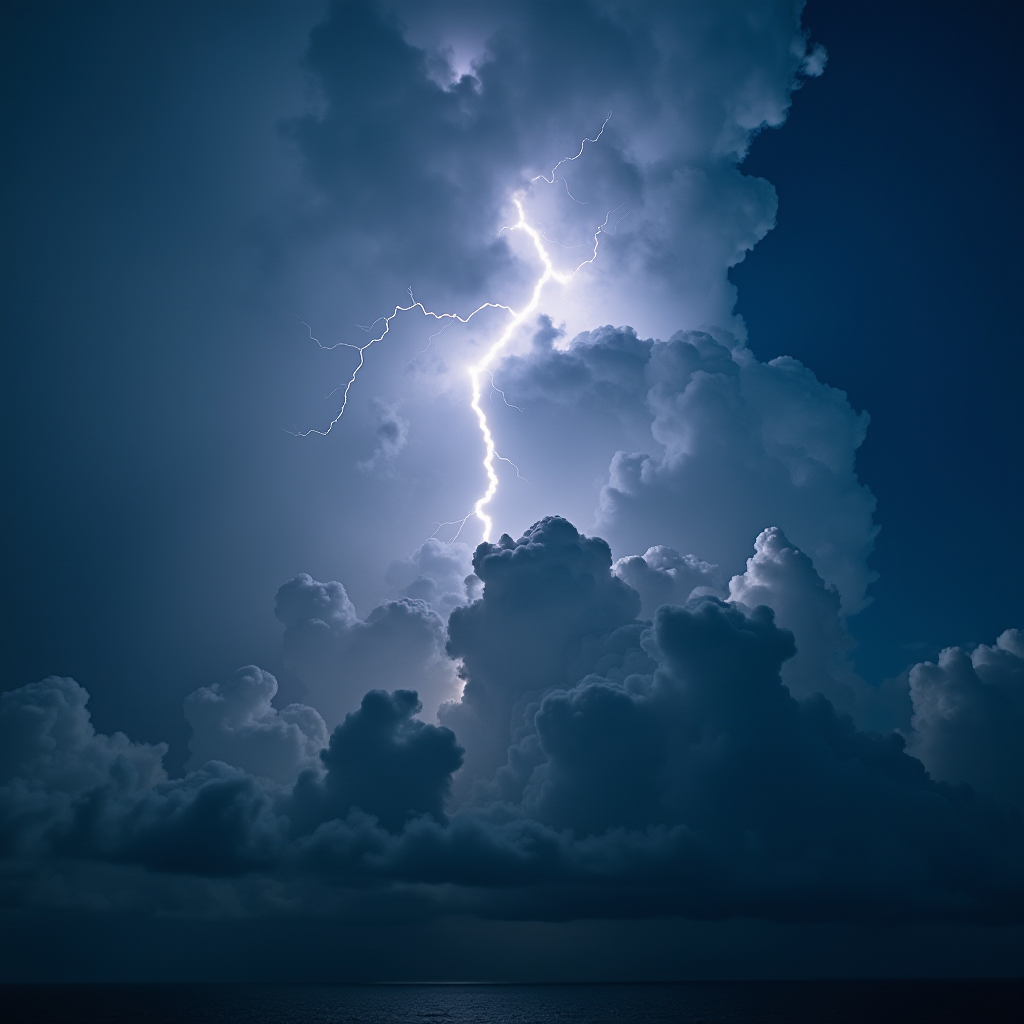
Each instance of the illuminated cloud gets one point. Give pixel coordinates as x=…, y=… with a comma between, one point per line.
x=724, y=444
x=663, y=576
x=782, y=577
x=436, y=572
x=543, y=597
x=552, y=725
x=441, y=154
x=339, y=656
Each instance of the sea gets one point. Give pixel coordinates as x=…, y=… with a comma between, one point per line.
x=820, y=1002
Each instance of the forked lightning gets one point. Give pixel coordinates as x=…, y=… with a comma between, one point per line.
x=482, y=369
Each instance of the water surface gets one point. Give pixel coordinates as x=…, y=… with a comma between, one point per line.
x=899, y=1002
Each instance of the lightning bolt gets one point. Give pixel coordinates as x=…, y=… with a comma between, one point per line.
x=361, y=349
x=483, y=368
x=569, y=159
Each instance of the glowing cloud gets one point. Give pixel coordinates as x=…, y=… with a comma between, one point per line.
x=483, y=367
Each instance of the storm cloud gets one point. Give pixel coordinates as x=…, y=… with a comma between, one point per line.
x=339, y=656
x=642, y=700
x=613, y=767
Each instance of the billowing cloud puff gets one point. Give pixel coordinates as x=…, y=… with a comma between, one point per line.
x=340, y=656
x=69, y=791
x=968, y=719
x=50, y=754
x=757, y=442
x=723, y=445
x=783, y=578
x=381, y=761
x=236, y=722
x=46, y=735
x=543, y=596
x=663, y=576
x=657, y=768
x=643, y=769
x=213, y=822
x=417, y=149
x=763, y=799
x=437, y=573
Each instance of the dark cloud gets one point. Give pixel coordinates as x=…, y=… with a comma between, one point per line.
x=69, y=791
x=969, y=716
x=382, y=761
x=623, y=738
x=543, y=594
x=217, y=821
x=617, y=768
x=236, y=722
x=48, y=736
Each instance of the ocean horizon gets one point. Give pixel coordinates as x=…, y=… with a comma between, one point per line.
x=889, y=1001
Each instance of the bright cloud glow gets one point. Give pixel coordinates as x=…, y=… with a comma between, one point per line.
x=483, y=368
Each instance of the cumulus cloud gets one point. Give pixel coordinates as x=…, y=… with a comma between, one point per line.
x=50, y=755
x=440, y=574
x=381, y=761
x=644, y=768
x=340, y=656
x=544, y=596
x=663, y=576
x=236, y=722
x=721, y=445
x=216, y=821
x=764, y=441
x=782, y=577
x=47, y=735
x=757, y=793
x=415, y=146
x=968, y=719
x=588, y=762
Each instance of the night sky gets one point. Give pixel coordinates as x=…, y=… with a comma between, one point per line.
x=725, y=678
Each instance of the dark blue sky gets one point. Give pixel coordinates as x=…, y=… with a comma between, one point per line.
x=688, y=694
x=896, y=271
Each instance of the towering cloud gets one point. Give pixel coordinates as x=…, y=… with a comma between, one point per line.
x=50, y=753
x=724, y=444
x=544, y=597
x=429, y=120
x=783, y=578
x=339, y=656
x=554, y=725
